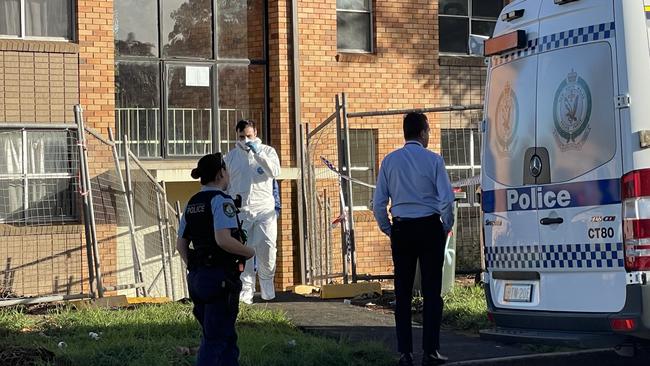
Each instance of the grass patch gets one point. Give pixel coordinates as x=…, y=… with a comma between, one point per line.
x=151, y=335
x=466, y=309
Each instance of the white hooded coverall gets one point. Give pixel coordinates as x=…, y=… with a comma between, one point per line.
x=251, y=176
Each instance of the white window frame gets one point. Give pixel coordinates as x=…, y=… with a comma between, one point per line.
x=360, y=168
x=25, y=178
x=370, y=12
x=473, y=166
x=23, y=28
x=469, y=18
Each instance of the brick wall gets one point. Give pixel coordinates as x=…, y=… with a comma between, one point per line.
x=399, y=74
x=96, y=95
x=281, y=122
x=404, y=71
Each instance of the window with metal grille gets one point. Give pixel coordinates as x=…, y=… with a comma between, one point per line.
x=37, y=18
x=186, y=72
x=460, y=18
x=363, y=162
x=38, y=176
x=354, y=31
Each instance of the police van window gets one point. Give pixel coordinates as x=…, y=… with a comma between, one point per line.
x=459, y=18
x=577, y=130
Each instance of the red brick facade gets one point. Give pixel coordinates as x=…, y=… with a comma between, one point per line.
x=41, y=81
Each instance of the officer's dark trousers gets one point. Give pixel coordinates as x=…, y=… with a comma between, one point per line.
x=216, y=308
x=422, y=239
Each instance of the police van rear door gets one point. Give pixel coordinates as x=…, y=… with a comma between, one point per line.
x=581, y=259
x=509, y=135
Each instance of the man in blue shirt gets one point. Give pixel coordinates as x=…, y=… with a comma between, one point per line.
x=415, y=181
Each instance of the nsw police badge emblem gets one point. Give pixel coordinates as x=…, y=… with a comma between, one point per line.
x=229, y=209
x=506, y=119
x=572, y=112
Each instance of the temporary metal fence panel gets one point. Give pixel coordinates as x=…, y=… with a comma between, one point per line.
x=325, y=251
x=330, y=186
x=42, y=256
x=137, y=248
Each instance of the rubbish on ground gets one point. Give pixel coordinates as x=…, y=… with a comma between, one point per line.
x=347, y=302
x=62, y=345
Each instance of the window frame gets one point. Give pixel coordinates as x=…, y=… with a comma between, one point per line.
x=473, y=166
x=373, y=133
x=72, y=22
x=214, y=61
x=25, y=177
x=469, y=18
x=371, y=13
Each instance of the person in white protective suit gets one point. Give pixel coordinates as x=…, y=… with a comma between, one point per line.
x=253, y=166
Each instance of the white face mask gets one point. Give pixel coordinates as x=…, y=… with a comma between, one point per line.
x=242, y=144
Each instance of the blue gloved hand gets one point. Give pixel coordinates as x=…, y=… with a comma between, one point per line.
x=253, y=146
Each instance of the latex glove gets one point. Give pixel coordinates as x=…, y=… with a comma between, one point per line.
x=254, y=146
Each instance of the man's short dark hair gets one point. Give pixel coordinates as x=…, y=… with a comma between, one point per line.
x=244, y=124
x=414, y=124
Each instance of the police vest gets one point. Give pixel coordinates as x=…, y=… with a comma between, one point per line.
x=199, y=229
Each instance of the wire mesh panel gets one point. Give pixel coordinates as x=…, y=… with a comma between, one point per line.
x=156, y=226
x=136, y=226
x=42, y=252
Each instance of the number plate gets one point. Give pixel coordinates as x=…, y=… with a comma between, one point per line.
x=518, y=293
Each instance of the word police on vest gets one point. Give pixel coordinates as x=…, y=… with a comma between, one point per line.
x=537, y=199
x=196, y=208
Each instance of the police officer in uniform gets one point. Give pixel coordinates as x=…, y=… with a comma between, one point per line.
x=214, y=261
x=417, y=184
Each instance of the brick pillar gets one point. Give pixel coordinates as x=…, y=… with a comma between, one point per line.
x=97, y=97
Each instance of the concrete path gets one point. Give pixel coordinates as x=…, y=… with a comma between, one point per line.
x=335, y=319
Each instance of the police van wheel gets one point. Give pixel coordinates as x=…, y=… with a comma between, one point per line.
x=625, y=350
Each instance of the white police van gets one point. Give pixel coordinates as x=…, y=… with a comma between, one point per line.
x=566, y=172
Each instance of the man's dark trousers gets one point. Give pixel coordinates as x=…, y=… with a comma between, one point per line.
x=413, y=239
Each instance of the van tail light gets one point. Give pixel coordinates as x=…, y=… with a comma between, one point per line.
x=622, y=324
x=635, y=192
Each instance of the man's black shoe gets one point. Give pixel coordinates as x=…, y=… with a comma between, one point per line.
x=434, y=358
x=405, y=360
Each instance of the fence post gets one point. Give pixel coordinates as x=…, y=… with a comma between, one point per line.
x=344, y=235
x=302, y=207
x=170, y=248
x=137, y=265
x=85, y=193
x=163, y=254
x=328, y=236
x=183, y=269
x=348, y=165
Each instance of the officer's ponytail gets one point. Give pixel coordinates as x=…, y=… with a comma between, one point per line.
x=208, y=167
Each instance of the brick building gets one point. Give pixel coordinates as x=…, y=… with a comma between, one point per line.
x=176, y=75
